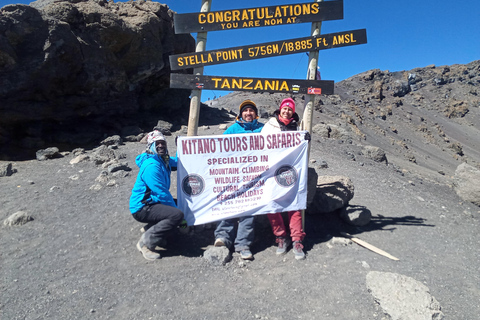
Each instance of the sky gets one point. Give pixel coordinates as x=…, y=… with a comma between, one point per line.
x=401, y=35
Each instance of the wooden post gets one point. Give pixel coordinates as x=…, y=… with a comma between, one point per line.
x=312, y=72
x=310, y=98
x=196, y=94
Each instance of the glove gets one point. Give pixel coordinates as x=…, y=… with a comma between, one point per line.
x=183, y=224
x=183, y=228
x=307, y=136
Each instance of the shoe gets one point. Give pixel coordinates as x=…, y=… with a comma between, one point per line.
x=283, y=244
x=298, y=250
x=147, y=253
x=246, y=254
x=219, y=242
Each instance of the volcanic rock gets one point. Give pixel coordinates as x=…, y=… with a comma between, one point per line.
x=73, y=71
x=467, y=183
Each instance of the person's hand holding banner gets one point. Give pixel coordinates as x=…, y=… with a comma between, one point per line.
x=308, y=137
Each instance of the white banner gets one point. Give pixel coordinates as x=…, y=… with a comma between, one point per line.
x=228, y=176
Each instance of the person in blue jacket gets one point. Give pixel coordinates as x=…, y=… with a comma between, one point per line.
x=151, y=201
x=246, y=122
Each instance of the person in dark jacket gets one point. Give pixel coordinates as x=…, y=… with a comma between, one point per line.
x=151, y=201
x=246, y=122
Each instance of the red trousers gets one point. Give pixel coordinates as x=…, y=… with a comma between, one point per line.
x=278, y=226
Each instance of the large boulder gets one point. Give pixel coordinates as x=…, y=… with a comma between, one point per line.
x=356, y=215
x=402, y=297
x=332, y=193
x=6, y=169
x=73, y=71
x=374, y=153
x=17, y=219
x=467, y=183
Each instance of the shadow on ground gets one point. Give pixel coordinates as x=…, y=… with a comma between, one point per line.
x=319, y=228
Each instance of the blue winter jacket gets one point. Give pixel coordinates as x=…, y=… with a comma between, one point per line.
x=153, y=182
x=244, y=127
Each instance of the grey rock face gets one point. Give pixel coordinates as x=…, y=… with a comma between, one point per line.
x=356, y=215
x=48, y=153
x=402, y=297
x=115, y=140
x=467, y=183
x=331, y=131
x=6, y=169
x=400, y=88
x=17, y=219
x=80, y=67
x=332, y=193
x=375, y=153
x=217, y=255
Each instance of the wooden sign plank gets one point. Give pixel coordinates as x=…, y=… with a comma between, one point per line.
x=258, y=17
x=369, y=246
x=190, y=81
x=269, y=49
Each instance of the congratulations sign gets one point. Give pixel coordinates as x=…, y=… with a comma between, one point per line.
x=228, y=176
x=258, y=17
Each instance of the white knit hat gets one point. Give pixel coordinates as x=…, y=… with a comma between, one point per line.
x=154, y=136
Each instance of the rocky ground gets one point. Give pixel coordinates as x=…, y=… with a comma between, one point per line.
x=77, y=258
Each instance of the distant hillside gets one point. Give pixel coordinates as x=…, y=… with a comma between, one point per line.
x=425, y=119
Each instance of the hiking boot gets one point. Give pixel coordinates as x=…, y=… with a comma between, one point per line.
x=298, y=250
x=283, y=244
x=246, y=254
x=219, y=242
x=146, y=252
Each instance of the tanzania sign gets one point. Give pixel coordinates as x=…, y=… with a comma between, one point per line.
x=269, y=49
x=190, y=81
x=258, y=17
x=226, y=176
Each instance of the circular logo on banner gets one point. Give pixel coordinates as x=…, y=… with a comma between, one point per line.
x=193, y=185
x=286, y=176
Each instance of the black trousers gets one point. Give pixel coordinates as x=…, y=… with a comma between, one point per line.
x=161, y=220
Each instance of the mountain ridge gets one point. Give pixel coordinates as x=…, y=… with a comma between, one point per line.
x=425, y=119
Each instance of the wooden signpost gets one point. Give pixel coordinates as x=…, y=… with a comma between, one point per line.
x=192, y=128
x=309, y=98
x=269, y=49
x=206, y=20
x=258, y=17
x=315, y=12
